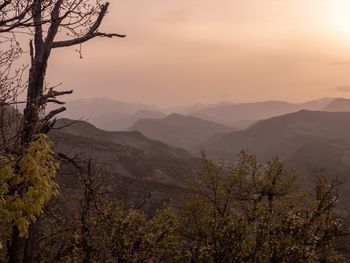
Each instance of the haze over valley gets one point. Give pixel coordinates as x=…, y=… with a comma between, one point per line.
x=306, y=136
x=187, y=131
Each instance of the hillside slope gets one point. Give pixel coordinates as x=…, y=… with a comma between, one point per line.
x=137, y=165
x=180, y=131
x=281, y=135
x=305, y=140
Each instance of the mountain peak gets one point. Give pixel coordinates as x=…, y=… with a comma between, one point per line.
x=175, y=116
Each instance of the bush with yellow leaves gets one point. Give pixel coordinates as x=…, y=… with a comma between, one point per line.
x=27, y=184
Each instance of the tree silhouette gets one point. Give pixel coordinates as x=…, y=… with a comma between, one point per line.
x=51, y=24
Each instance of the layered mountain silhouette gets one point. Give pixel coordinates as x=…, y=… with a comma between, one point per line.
x=148, y=159
x=108, y=114
x=244, y=114
x=182, y=131
x=137, y=165
x=127, y=122
x=113, y=115
x=188, y=110
x=283, y=135
x=305, y=140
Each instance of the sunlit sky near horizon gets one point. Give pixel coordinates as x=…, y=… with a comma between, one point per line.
x=188, y=51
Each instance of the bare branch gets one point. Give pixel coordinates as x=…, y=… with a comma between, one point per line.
x=92, y=33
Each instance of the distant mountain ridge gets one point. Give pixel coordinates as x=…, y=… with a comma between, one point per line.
x=338, y=105
x=127, y=122
x=264, y=137
x=112, y=115
x=243, y=114
x=179, y=130
x=306, y=140
x=108, y=114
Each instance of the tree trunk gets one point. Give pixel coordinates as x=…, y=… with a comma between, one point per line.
x=22, y=249
x=16, y=248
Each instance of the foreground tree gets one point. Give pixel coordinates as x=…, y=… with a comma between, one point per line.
x=80, y=19
x=53, y=24
x=253, y=212
x=98, y=228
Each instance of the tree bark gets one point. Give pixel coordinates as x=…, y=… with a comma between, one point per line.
x=22, y=249
x=16, y=248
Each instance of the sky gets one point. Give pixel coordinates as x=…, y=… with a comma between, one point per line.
x=180, y=52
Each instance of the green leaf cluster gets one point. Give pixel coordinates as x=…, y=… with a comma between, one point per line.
x=27, y=183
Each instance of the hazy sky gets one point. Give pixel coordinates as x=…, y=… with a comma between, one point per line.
x=186, y=51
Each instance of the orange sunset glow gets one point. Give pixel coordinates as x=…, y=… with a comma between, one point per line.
x=235, y=51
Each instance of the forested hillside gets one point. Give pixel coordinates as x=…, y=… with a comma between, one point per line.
x=136, y=166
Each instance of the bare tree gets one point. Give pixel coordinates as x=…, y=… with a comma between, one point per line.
x=79, y=19
x=52, y=24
